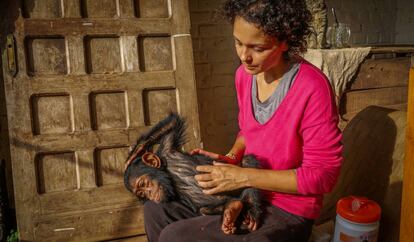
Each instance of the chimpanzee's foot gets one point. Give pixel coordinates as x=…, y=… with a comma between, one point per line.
x=250, y=222
x=211, y=210
x=230, y=214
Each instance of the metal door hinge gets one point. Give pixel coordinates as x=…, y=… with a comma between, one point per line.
x=11, y=55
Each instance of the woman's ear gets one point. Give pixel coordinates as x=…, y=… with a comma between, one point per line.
x=284, y=46
x=151, y=159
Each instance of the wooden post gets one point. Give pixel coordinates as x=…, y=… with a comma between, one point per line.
x=407, y=208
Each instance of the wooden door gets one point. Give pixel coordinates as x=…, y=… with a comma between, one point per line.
x=407, y=208
x=92, y=75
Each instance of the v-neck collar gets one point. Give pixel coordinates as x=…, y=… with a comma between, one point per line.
x=289, y=93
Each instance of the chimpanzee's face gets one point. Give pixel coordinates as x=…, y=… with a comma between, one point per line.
x=145, y=187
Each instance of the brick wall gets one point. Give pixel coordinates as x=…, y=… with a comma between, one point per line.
x=376, y=22
x=404, y=30
x=373, y=22
x=215, y=62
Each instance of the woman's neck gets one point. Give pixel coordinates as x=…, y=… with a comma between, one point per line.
x=274, y=74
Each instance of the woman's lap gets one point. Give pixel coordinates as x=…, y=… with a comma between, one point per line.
x=174, y=222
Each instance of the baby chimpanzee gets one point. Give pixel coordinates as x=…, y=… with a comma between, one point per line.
x=168, y=174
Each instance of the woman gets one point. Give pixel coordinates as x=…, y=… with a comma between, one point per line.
x=287, y=119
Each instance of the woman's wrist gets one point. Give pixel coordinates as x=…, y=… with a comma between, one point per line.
x=235, y=154
x=230, y=159
x=245, y=177
x=231, y=156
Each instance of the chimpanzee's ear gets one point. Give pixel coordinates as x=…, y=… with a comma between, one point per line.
x=139, y=149
x=151, y=159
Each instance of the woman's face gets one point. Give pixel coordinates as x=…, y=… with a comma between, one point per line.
x=257, y=51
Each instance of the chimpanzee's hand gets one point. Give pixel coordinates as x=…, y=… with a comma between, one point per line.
x=221, y=178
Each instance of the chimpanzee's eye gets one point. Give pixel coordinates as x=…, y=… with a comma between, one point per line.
x=140, y=193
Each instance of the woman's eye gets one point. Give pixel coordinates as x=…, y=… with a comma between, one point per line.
x=258, y=50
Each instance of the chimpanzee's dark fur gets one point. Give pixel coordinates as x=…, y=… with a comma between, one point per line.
x=177, y=171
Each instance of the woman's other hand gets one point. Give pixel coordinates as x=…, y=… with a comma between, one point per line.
x=221, y=178
x=212, y=155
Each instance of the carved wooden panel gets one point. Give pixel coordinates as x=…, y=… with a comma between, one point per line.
x=152, y=8
x=109, y=163
x=52, y=114
x=56, y=172
x=158, y=104
x=93, y=75
x=109, y=110
x=46, y=55
x=44, y=9
x=155, y=53
x=103, y=55
x=100, y=8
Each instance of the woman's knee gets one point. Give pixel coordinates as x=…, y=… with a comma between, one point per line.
x=175, y=232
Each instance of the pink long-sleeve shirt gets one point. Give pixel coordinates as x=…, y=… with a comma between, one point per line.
x=302, y=134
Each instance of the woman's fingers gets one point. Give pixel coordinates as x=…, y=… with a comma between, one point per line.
x=218, y=178
x=213, y=190
x=207, y=184
x=217, y=163
x=204, y=152
x=203, y=177
x=195, y=151
x=205, y=168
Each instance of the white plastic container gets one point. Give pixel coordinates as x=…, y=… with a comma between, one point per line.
x=357, y=220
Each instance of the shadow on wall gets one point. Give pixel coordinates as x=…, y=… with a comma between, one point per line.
x=372, y=167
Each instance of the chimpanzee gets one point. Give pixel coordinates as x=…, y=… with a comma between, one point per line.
x=168, y=174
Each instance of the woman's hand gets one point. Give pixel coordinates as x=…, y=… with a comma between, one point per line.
x=221, y=178
x=212, y=155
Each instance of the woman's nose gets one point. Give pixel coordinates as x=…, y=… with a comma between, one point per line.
x=245, y=55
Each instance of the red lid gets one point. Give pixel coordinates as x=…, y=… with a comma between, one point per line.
x=358, y=209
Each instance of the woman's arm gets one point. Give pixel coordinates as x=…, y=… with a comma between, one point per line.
x=225, y=177
x=236, y=152
x=238, y=148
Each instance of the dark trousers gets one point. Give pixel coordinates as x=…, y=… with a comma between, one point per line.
x=173, y=222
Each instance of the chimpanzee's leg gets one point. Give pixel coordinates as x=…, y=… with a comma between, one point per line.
x=231, y=213
x=251, y=198
x=158, y=216
x=252, y=201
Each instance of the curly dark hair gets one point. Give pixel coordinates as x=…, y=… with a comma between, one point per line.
x=287, y=20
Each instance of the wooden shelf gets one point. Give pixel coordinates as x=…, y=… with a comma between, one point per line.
x=392, y=49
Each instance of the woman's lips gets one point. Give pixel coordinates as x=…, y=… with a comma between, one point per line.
x=250, y=67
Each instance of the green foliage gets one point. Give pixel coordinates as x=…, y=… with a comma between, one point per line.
x=13, y=237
